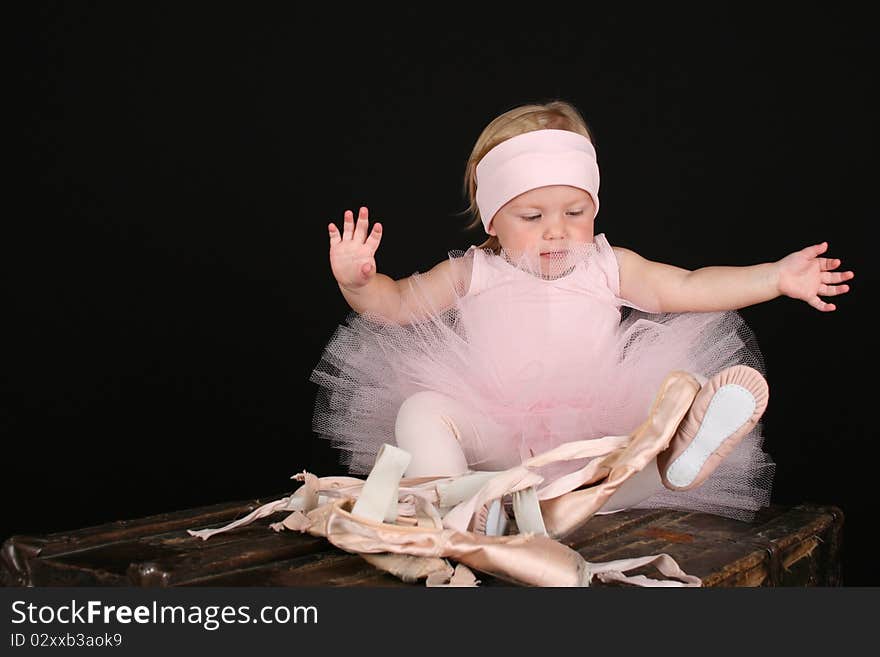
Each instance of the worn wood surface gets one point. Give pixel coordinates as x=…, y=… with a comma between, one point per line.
x=784, y=546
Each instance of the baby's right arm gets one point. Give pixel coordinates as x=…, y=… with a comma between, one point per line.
x=352, y=260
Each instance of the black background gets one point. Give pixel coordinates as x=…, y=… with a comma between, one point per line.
x=167, y=290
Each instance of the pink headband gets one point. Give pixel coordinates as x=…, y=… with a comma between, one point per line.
x=535, y=159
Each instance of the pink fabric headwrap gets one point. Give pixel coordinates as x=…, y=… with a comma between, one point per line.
x=531, y=160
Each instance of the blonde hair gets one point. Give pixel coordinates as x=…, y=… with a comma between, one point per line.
x=553, y=115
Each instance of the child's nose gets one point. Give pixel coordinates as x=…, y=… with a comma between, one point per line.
x=554, y=226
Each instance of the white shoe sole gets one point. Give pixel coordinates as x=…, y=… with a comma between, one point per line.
x=731, y=407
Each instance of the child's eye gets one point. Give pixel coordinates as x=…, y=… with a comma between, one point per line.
x=533, y=217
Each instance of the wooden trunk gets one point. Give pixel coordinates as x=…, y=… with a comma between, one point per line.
x=784, y=546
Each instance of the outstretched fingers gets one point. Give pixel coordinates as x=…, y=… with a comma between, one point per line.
x=815, y=250
x=375, y=237
x=350, y=230
x=818, y=304
x=836, y=277
x=335, y=237
x=828, y=264
x=833, y=290
x=363, y=220
x=348, y=225
x=359, y=234
x=812, y=276
x=831, y=281
x=347, y=230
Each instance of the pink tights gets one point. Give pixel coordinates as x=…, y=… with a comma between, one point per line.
x=431, y=427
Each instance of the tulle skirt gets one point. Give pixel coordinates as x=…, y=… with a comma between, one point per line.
x=371, y=366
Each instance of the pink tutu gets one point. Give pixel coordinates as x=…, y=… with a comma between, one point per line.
x=540, y=346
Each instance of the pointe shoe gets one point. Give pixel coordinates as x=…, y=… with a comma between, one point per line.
x=566, y=512
x=491, y=520
x=725, y=409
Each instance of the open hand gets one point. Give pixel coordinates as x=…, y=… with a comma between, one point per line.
x=352, y=253
x=804, y=275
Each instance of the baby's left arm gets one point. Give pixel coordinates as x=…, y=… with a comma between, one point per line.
x=658, y=287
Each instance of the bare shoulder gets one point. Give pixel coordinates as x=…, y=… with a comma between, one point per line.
x=649, y=285
x=435, y=289
x=620, y=252
x=627, y=259
x=456, y=270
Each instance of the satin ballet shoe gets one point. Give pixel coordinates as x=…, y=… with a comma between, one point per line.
x=570, y=510
x=725, y=409
x=494, y=518
x=491, y=519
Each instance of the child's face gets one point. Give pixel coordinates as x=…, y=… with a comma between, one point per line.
x=545, y=220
